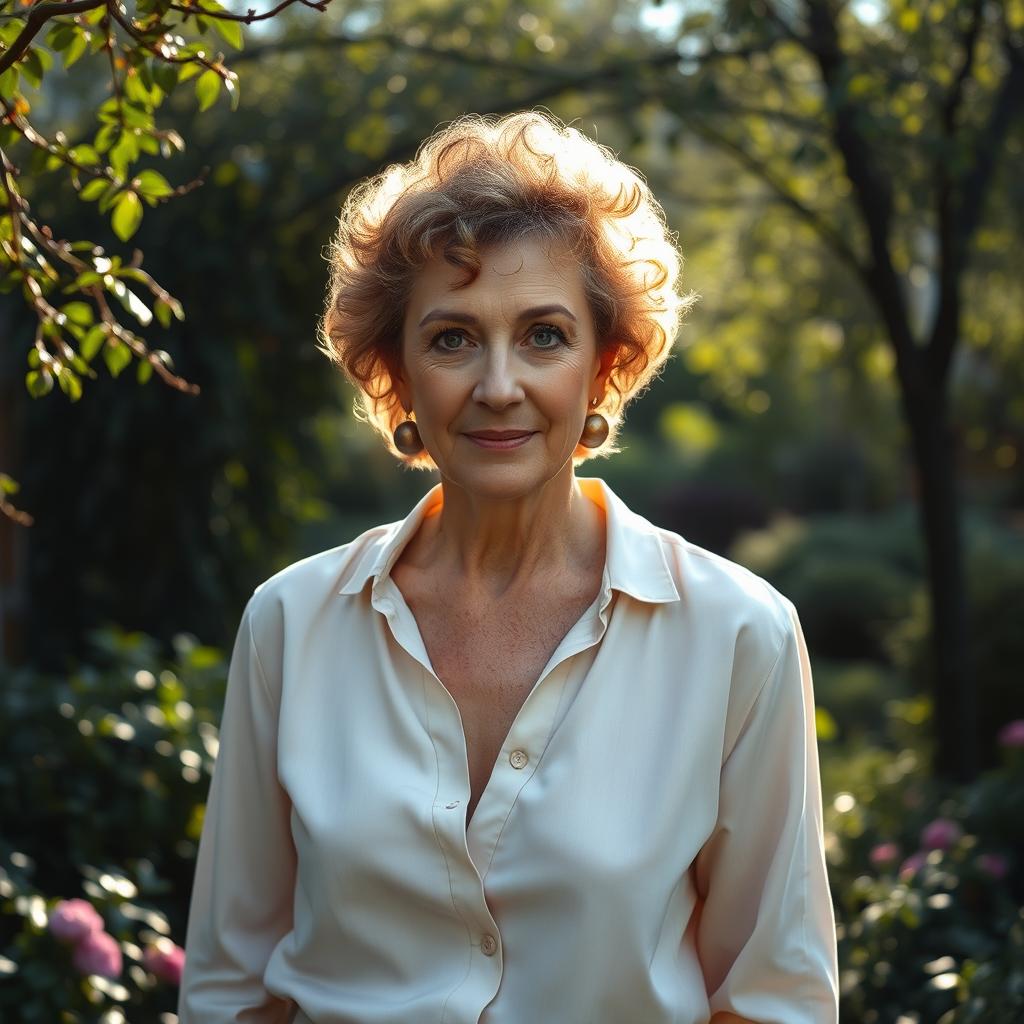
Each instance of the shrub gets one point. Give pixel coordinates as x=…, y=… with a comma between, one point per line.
x=101, y=795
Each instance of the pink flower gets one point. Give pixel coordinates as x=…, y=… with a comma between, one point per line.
x=73, y=920
x=995, y=865
x=940, y=834
x=912, y=865
x=1012, y=734
x=98, y=953
x=883, y=854
x=166, y=960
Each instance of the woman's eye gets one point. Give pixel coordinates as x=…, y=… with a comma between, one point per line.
x=450, y=341
x=547, y=337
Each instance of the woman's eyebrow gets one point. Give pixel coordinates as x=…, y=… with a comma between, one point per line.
x=468, y=318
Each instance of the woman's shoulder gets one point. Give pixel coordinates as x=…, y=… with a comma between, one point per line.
x=312, y=581
x=717, y=588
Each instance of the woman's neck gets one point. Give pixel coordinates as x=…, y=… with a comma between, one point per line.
x=495, y=547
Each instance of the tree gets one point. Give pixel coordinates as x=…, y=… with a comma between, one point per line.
x=148, y=58
x=909, y=113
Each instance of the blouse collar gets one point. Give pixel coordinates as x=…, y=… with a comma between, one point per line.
x=635, y=557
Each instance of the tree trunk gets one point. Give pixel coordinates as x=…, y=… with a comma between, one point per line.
x=954, y=692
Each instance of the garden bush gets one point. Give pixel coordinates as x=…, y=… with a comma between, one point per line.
x=102, y=789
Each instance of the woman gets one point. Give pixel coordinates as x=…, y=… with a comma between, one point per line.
x=523, y=756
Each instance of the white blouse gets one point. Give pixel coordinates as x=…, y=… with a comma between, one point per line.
x=649, y=847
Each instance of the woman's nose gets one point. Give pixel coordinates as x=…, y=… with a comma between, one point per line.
x=498, y=385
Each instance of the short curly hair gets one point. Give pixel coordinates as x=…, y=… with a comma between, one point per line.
x=484, y=180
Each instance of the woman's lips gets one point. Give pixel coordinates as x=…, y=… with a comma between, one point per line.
x=501, y=438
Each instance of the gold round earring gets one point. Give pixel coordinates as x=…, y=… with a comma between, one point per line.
x=407, y=438
x=595, y=431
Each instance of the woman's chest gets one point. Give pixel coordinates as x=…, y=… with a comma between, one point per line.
x=619, y=746
x=489, y=661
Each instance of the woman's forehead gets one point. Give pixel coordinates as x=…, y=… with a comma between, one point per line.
x=525, y=272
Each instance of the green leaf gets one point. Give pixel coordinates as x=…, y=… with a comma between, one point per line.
x=9, y=82
x=117, y=356
x=165, y=76
x=84, y=279
x=208, y=88
x=123, y=152
x=31, y=67
x=104, y=138
x=92, y=342
x=94, y=189
x=135, y=116
x=39, y=382
x=144, y=371
x=69, y=383
x=127, y=215
x=153, y=184
x=78, y=312
x=163, y=312
x=61, y=36
x=230, y=31
x=84, y=154
x=76, y=48
x=8, y=484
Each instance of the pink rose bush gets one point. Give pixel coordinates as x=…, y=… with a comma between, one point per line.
x=98, y=953
x=1012, y=734
x=884, y=854
x=912, y=865
x=166, y=960
x=995, y=865
x=72, y=920
x=76, y=922
x=940, y=834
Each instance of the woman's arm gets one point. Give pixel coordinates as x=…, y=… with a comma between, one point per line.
x=243, y=892
x=766, y=933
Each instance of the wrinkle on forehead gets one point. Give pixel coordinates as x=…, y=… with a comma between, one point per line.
x=527, y=273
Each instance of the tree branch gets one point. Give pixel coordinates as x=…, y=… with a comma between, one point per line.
x=958, y=220
x=872, y=193
x=38, y=17
x=828, y=234
x=250, y=16
x=593, y=78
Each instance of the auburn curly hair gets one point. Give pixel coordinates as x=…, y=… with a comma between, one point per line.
x=483, y=180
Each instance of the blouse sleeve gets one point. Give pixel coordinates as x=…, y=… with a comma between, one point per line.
x=242, y=894
x=766, y=935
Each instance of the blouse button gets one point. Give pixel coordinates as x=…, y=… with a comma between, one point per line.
x=488, y=946
x=518, y=758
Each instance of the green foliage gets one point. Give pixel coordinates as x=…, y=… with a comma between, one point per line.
x=852, y=578
x=146, y=60
x=102, y=792
x=934, y=933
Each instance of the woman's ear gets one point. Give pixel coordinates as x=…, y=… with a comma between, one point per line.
x=608, y=358
x=399, y=385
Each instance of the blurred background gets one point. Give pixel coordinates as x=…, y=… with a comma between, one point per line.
x=844, y=415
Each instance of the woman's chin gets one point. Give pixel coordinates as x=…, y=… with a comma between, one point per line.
x=500, y=481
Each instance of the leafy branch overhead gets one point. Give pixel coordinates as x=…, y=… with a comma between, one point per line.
x=148, y=57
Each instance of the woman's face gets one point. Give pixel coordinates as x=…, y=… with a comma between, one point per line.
x=499, y=374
